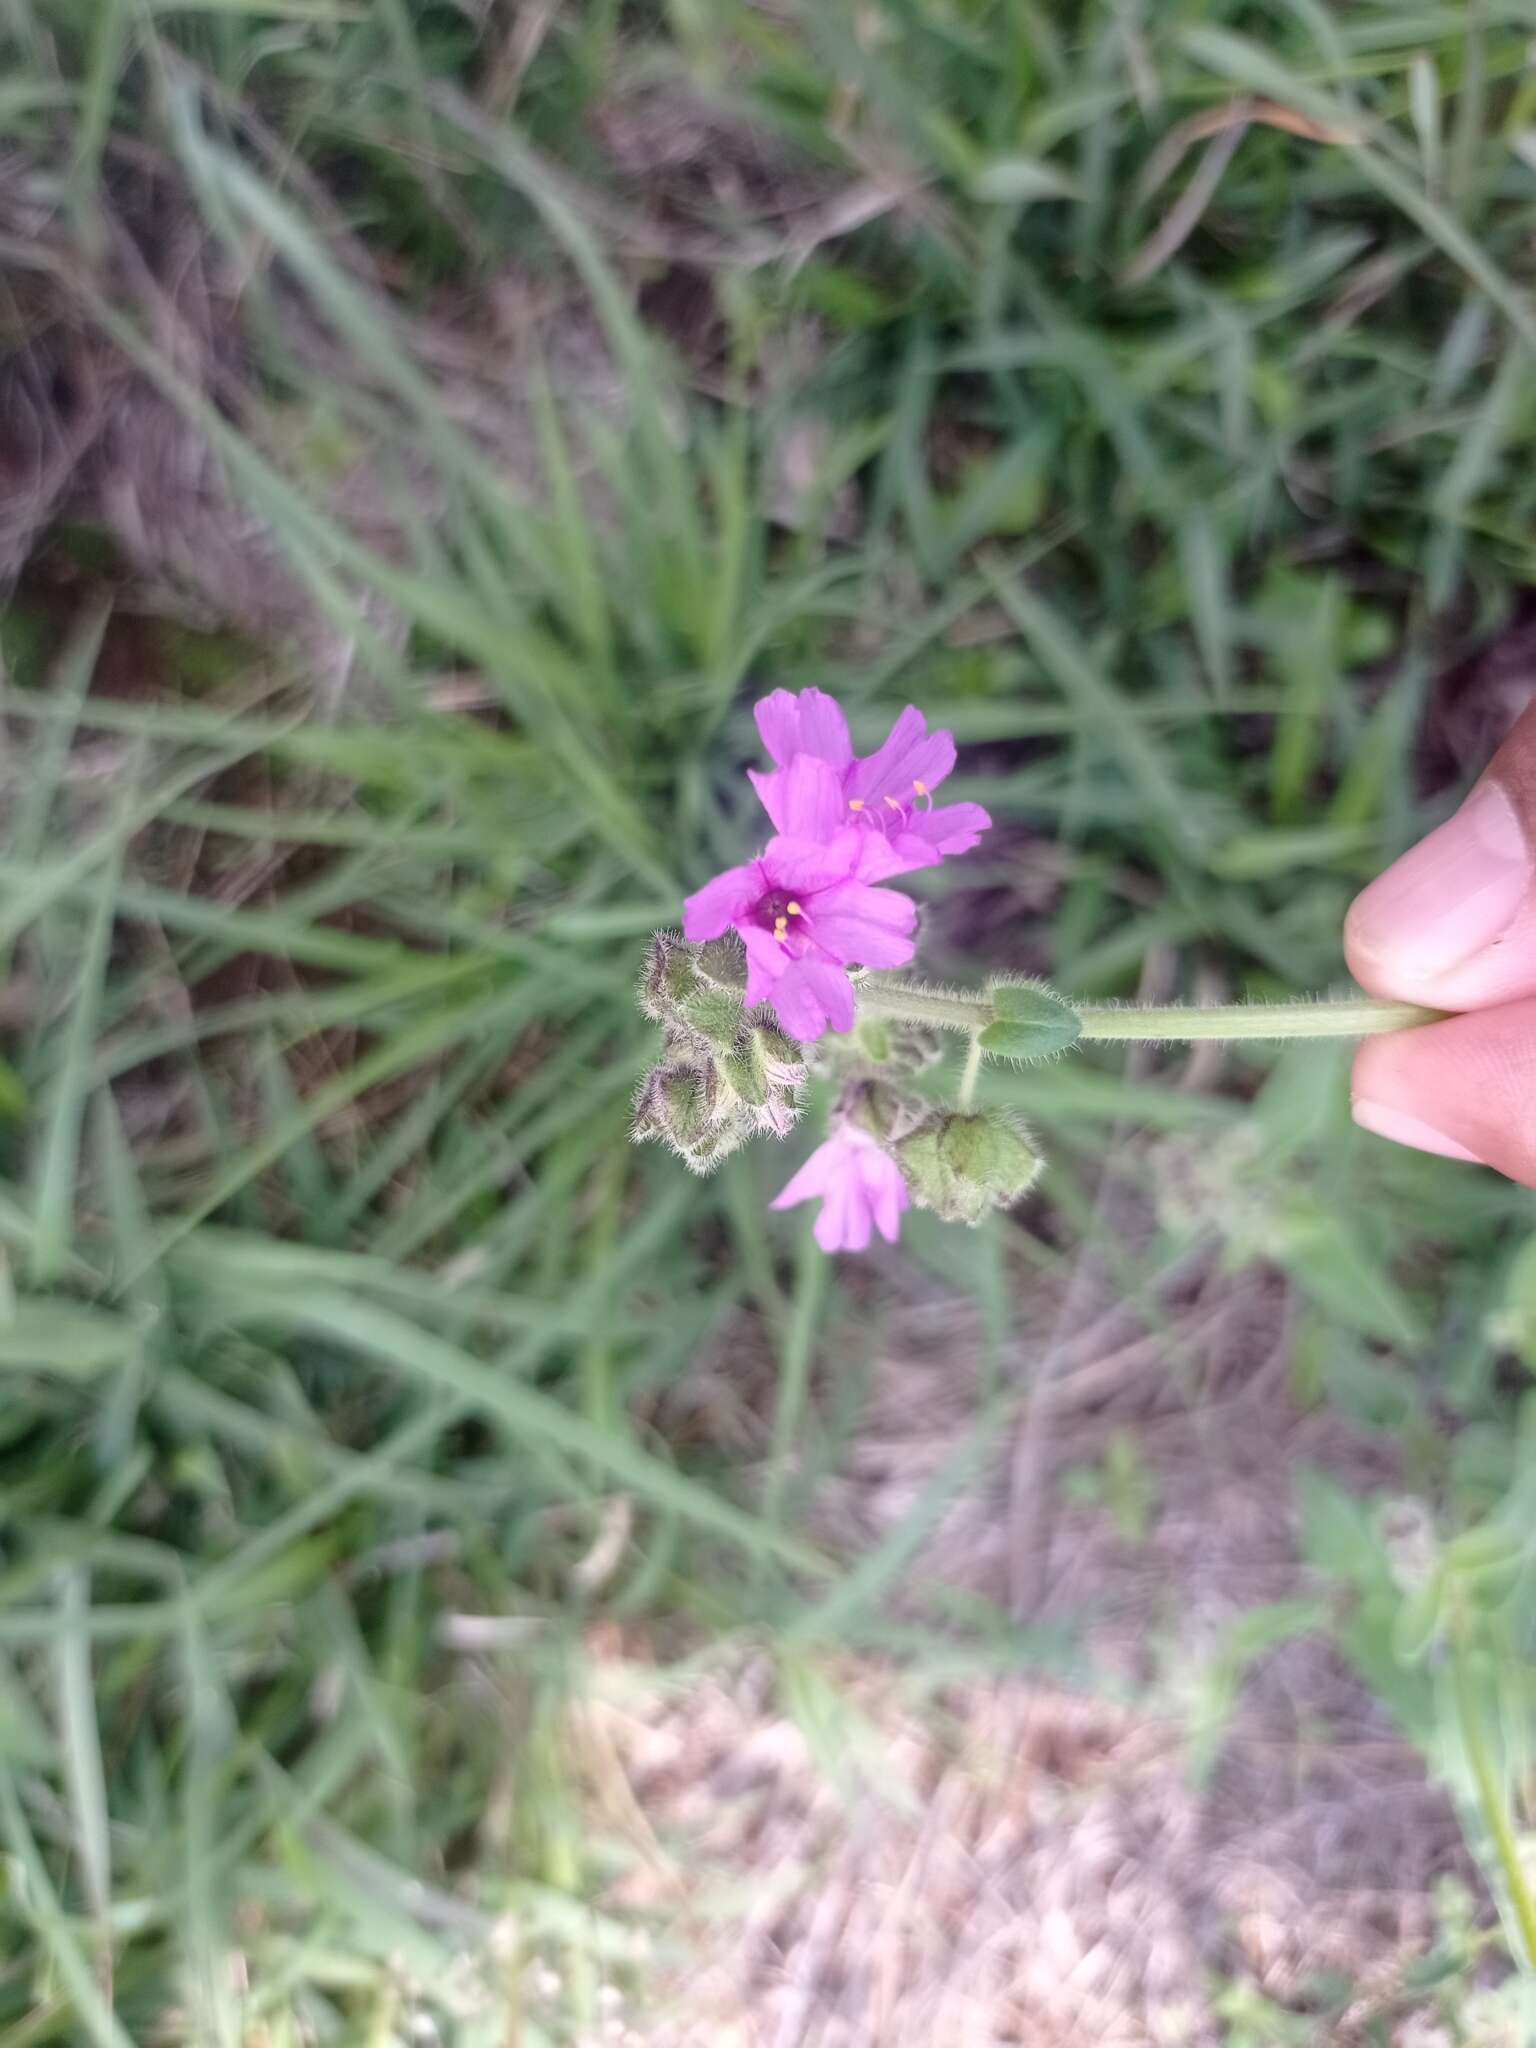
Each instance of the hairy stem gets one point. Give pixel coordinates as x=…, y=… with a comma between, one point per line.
x=1352, y=1017
x=971, y=1071
x=1348, y=1017
x=910, y=1003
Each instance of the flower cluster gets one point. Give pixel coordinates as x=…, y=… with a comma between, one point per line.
x=763, y=973
x=807, y=908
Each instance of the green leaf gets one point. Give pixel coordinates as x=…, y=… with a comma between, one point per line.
x=1336, y=1529
x=14, y=1099
x=1032, y=1022
x=58, y=1337
x=1326, y=1257
x=1017, y=180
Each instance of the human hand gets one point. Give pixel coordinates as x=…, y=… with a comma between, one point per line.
x=1453, y=925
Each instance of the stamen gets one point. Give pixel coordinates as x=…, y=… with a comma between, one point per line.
x=921, y=788
x=893, y=803
x=793, y=910
x=781, y=927
x=855, y=803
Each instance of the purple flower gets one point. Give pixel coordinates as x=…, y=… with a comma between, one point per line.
x=889, y=792
x=859, y=1186
x=806, y=908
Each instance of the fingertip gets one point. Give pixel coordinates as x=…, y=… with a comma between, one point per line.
x=1463, y=1089
x=1401, y=1127
x=1430, y=929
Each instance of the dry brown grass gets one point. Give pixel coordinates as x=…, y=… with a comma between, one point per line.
x=1013, y=1861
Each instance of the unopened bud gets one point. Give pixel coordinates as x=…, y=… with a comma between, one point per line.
x=723, y=963
x=960, y=1166
x=668, y=977
x=880, y=1110
x=675, y=1105
x=872, y=1037
x=913, y=1047
x=742, y=1073
x=783, y=1061
x=899, y=1048
x=767, y=1070
x=716, y=1016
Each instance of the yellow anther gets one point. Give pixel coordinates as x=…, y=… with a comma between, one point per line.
x=893, y=803
x=855, y=803
x=793, y=909
x=780, y=928
x=921, y=788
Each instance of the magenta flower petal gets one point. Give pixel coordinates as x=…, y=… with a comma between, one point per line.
x=887, y=797
x=869, y=926
x=778, y=724
x=860, y=1186
x=767, y=961
x=812, y=723
x=770, y=793
x=804, y=800
x=812, y=997
x=886, y=854
x=845, y=1219
x=804, y=909
x=795, y=1006
x=936, y=834
x=800, y=865
x=810, y=1181
x=812, y=799
x=832, y=989
x=888, y=1197
x=712, y=910
x=912, y=759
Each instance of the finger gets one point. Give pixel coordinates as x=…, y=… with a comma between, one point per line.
x=1465, y=1088
x=1453, y=923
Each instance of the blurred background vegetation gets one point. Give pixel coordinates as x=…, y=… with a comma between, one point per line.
x=426, y=1521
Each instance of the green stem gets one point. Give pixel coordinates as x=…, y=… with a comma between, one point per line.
x=971, y=1071
x=1490, y=1799
x=910, y=1003
x=1352, y=1017
x=1348, y=1017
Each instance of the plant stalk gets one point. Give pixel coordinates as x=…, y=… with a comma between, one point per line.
x=1346, y=1017
x=971, y=1071
x=1350, y=1017
x=1490, y=1800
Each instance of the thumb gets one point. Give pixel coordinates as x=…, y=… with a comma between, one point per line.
x=1464, y=1088
x=1453, y=923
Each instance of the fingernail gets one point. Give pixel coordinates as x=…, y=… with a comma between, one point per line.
x=1404, y=1129
x=1449, y=896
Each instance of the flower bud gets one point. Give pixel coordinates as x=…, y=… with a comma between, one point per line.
x=898, y=1047
x=962, y=1165
x=778, y=1070
x=668, y=977
x=783, y=1061
x=725, y=1073
x=715, y=1016
x=685, y=1107
x=751, y=1055
x=675, y=1104
x=723, y=963
x=881, y=1111
x=872, y=1039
